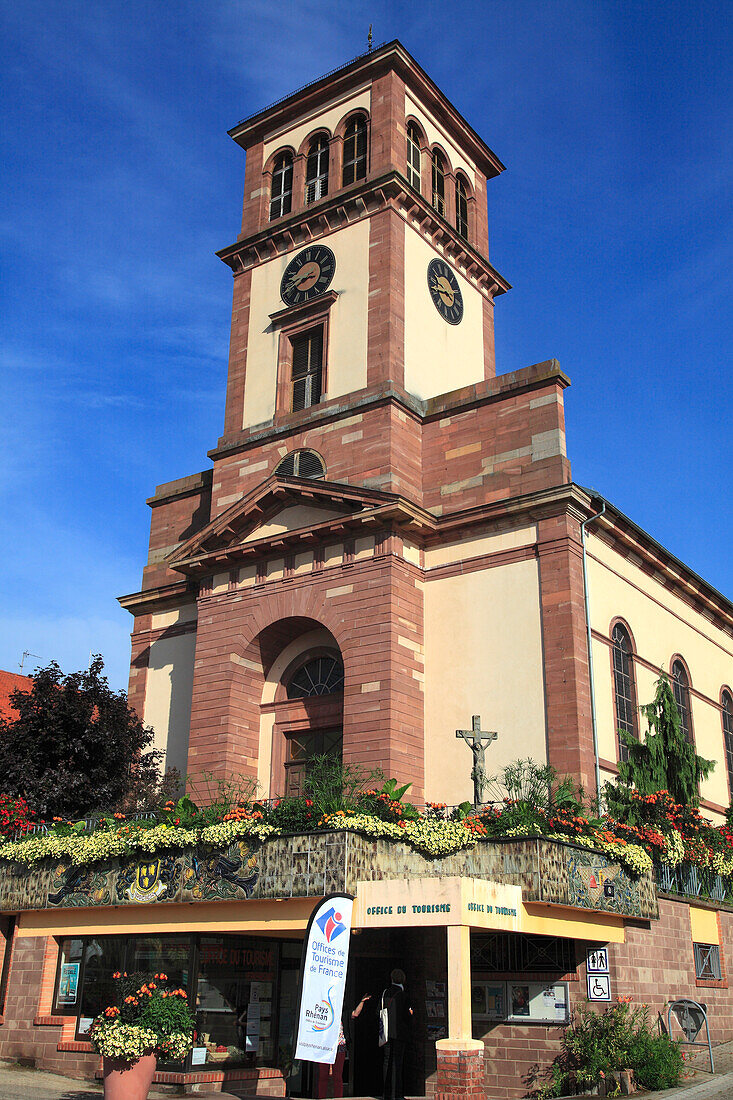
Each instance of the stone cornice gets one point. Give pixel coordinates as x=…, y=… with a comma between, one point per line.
x=352, y=204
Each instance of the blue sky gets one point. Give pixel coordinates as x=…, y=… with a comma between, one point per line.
x=613, y=223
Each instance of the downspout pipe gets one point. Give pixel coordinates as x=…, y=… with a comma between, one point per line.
x=594, y=725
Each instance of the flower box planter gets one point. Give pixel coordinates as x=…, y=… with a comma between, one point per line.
x=128, y=1080
x=618, y=1082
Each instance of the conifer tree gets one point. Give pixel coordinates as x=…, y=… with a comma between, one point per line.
x=663, y=761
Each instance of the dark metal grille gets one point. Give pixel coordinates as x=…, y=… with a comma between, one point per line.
x=728, y=736
x=438, y=183
x=282, y=187
x=681, y=690
x=504, y=953
x=316, y=170
x=707, y=961
x=355, y=151
x=461, y=208
x=624, y=688
x=414, y=170
x=307, y=368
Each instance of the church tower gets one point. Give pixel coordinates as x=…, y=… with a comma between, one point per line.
x=385, y=542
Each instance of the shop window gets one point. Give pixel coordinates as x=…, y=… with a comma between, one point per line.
x=681, y=690
x=707, y=961
x=281, y=195
x=234, y=1000
x=623, y=686
x=101, y=957
x=302, y=464
x=8, y=931
x=461, y=208
x=355, y=151
x=68, y=978
x=727, y=714
x=307, y=368
x=438, y=183
x=316, y=170
x=414, y=157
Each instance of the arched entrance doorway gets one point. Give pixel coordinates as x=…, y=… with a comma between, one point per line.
x=302, y=704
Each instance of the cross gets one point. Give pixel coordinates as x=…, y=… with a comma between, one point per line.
x=477, y=740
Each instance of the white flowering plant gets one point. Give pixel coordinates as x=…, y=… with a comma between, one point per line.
x=149, y=1015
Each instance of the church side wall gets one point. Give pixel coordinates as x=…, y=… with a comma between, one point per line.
x=662, y=626
x=168, y=693
x=483, y=655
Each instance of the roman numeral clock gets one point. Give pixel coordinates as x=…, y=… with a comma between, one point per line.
x=445, y=291
x=307, y=275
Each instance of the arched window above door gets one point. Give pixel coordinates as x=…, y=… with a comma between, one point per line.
x=317, y=676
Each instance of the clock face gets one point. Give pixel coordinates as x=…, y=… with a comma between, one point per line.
x=445, y=291
x=307, y=275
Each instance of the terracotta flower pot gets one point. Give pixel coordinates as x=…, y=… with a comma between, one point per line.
x=128, y=1080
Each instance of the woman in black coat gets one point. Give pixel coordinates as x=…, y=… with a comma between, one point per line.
x=399, y=1012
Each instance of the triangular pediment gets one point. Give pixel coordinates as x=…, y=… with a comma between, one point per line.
x=285, y=511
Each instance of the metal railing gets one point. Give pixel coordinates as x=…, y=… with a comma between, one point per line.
x=691, y=881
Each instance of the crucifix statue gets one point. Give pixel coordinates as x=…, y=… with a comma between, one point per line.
x=477, y=740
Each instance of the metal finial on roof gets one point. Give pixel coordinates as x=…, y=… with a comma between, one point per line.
x=369, y=38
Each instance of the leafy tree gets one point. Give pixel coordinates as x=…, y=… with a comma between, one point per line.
x=664, y=761
x=76, y=746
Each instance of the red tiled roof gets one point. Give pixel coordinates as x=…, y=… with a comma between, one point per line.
x=9, y=681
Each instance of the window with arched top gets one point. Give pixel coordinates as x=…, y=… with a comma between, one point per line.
x=438, y=182
x=461, y=208
x=624, y=687
x=317, y=676
x=355, y=150
x=316, y=169
x=414, y=157
x=681, y=690
x=726, y=702
x=281, y=194
x=301, y=464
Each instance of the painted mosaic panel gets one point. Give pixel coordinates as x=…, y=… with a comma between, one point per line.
x=317, y=864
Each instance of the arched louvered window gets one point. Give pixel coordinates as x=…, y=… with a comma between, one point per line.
x=316, y=169
x=414, y=157
x=727, y=705
x=681, y=689
x=317, y=676
x=281, y=196
x=623, y=686
x=301, y=464
x=438, y=183
x=355, y=150
x=461, y=208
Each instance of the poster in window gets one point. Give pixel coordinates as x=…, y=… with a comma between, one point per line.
x=520, y=1000
x=478, y=999
x=496, y=1001
x=68, y=983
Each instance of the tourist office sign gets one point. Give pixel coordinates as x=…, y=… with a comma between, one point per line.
x=419, y=903
x=323, y=979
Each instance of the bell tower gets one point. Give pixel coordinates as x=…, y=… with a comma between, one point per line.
x=362, y=267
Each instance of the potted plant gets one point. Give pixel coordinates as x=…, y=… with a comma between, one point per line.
x=149, y=1017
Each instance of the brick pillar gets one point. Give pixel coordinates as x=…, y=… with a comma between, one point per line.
x=460, y=1070
x=567, y=676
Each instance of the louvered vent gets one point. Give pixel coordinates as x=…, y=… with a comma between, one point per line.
x=301, y=464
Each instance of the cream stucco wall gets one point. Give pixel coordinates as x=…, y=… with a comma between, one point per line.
x=435, y=133
x=438, y=357
x=293, y=519
x=662, y=625
x=347, y=330
x=168, y=696
x=326, y=117
x=477, y=545
x=483, y=655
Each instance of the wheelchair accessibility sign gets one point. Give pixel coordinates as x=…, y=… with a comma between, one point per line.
x=599, y=987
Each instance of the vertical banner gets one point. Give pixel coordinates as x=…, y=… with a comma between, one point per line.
x=323, y=979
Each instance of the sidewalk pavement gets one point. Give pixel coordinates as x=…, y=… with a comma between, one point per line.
x=17, y=1083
